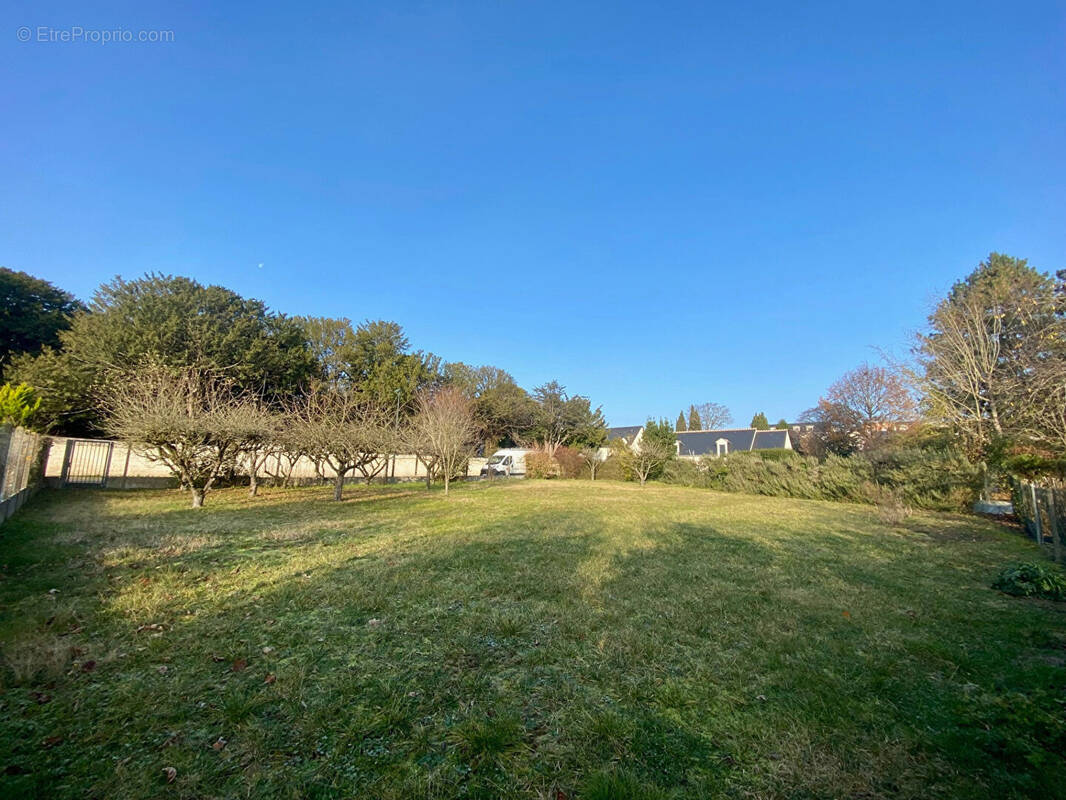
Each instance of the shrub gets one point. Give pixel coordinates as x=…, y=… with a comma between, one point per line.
x=571, y=463
x=685, y=472
x=893, y=511
x=934, y=479
x=541, y=465
x=19, y=405
x=1031, y=580
x=614, y=469
x=1031, y=466
x=775, y=454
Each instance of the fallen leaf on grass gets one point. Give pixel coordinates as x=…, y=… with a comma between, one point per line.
x=170, y=774
x=219, y=744
x=41, y=698
x=51, y=742
x=240, y=665
x=88, y=666
x=270, y=678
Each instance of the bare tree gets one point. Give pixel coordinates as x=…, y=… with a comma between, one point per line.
x=1039, y=415
x=444, y=432
x=657, y=446
x=256, y=446
x=342, y=429
x=868, y=403
x=714, y=416
x=286, y=445
x=592, y=458
x=189, y=419
x=961, y=359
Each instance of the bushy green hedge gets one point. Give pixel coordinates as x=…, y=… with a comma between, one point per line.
x=922, y=478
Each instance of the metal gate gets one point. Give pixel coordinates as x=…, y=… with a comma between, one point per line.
x=87, y=462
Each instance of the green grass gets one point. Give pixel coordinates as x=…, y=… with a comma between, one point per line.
x=521, y=639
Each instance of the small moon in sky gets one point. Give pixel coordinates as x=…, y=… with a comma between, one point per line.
x=260, y=265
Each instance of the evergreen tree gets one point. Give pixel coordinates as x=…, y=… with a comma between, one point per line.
x=681, y=421
x=760, y=422
x=694, y=423
x=32, y=314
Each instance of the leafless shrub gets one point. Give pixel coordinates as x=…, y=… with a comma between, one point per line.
x=893, y=511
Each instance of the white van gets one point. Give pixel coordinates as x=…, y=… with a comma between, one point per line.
x=506, y=463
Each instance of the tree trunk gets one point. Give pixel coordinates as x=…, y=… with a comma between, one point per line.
x=253, y=483
x=197, y=497
x=447, y=480
x=643, y=479
x=338, y=486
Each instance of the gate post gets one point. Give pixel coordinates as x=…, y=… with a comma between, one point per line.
x=1056, y=532
x=68, y=452
x=1036, y=515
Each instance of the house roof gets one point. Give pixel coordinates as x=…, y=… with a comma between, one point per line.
x=626, y=432
x=771, y=440
x=702, y=443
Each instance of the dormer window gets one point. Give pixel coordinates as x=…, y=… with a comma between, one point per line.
x=722, y=447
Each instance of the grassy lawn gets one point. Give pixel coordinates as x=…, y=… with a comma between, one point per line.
x=523, y=639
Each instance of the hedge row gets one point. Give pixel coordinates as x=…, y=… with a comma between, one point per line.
x=931, y=479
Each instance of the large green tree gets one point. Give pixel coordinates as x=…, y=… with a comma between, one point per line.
x=680, y=426
x=385, y=369
x=332, y=343
x=33, y=312
x=994, y=352
x=503, y=409
x=561, y=419
x=760, y=422
x=175, y=322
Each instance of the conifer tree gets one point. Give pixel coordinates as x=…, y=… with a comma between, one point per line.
x=681, y=421
x=694, y=423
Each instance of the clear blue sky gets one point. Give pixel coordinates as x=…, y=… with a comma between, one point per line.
x=654, y=203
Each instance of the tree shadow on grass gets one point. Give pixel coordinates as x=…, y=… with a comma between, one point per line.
x=512, y=655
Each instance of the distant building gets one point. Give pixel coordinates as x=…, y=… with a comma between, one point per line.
x=697, y=444
x=628, y=434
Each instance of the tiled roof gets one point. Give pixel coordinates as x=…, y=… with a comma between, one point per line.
x=626, y=432
x=768, y=440
x=703, y=443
